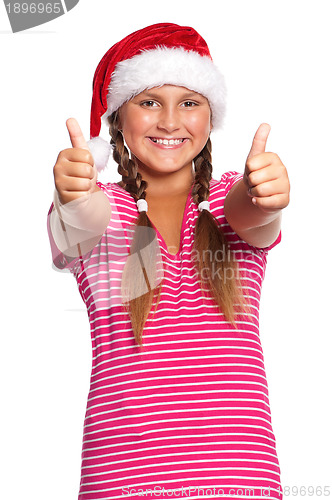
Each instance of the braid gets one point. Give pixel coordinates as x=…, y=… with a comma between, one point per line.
x=127, y=168
x=135, y=282
x=203, y=171
x=221, y=276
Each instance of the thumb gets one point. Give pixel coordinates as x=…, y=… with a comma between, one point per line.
x=259, y=142
x=75, y=134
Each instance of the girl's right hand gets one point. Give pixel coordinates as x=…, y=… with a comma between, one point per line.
x=75, y=174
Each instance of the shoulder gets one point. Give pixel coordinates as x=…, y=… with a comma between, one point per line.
x=113, y=189
x=226, y=182
x=121, y=201
x=220, y=188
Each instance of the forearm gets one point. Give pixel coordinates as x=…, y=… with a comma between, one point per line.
x=255, y=226
x=77, y=226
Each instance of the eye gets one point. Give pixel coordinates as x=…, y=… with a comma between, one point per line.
x=189, y=104
x=149, y=104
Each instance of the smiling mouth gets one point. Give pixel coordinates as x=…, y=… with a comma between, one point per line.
x=167, y=142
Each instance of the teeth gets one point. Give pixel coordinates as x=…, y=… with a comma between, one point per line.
x=167, y=142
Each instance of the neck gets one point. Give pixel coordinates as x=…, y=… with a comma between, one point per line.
x=167, y=185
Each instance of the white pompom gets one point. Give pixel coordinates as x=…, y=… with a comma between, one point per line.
x=101, y=151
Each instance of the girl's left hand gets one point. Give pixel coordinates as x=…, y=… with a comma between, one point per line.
x=265, y=175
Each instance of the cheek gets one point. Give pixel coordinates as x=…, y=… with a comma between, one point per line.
x=200, y=122
x=200, y=127
x=135, y=128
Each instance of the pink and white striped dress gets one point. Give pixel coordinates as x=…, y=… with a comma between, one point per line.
x=188, y=415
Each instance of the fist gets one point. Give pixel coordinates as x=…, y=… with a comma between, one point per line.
x=265, y=175
x=75, y=174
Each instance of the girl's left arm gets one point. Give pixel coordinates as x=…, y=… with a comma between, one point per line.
x=253, y=206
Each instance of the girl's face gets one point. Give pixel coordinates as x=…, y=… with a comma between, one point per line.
x=166, y=127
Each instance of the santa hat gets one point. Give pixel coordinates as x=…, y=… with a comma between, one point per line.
x=153, y=56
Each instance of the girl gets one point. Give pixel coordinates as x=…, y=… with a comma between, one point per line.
x=170, y=263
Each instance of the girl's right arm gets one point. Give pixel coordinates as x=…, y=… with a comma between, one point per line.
x=81, y=211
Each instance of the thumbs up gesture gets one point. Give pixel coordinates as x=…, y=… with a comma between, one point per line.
x=75, y=174
x=265, y=175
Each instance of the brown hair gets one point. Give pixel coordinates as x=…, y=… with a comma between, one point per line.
x=220, y=275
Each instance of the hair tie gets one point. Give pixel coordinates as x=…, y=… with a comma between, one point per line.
x=142, y=205
x=204, y=205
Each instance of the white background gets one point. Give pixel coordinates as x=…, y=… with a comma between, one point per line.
x=276, y=58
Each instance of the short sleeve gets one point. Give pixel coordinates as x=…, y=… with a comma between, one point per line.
x=229, y=179
x=275, y=243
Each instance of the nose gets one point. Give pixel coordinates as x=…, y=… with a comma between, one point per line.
x=169, y=120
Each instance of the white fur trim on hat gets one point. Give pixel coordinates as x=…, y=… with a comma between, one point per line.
x=173, y=66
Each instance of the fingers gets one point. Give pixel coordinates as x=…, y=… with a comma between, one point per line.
x=269, y=186
x=72, y=168
x=272, y=203
x=265, y=176
x=74, y=177
x=269, y=170
x=265, y=168
x=259, y=142
x=76, y=134
x=75, y=157
x=77, y=184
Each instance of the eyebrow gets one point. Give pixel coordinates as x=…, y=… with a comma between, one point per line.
x=188, y=95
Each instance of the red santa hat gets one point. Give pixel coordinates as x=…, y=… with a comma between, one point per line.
x=153, y=56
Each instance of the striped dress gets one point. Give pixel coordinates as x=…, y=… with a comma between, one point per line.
x=188, y=415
